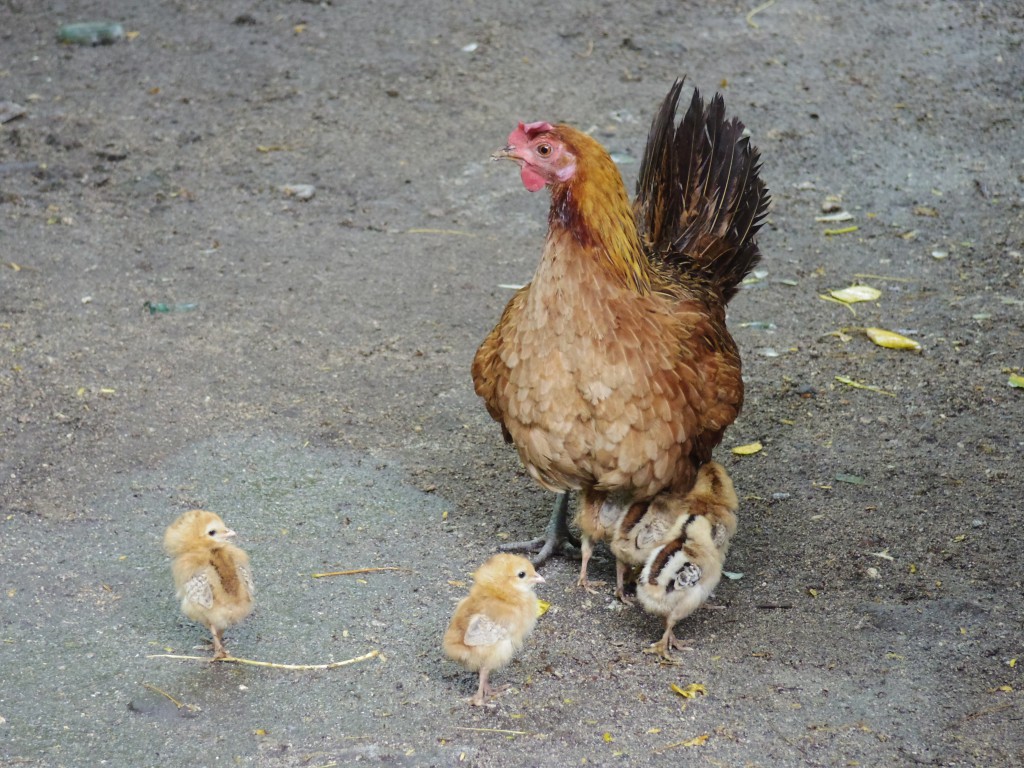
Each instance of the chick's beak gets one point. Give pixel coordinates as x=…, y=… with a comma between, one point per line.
x=227, y=534
x=537, y=579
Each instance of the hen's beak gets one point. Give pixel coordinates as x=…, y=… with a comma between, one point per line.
x=505, y=153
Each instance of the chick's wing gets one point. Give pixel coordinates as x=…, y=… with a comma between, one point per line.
x=482, y=630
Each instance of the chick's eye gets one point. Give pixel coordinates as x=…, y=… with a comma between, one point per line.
x=521, y=574
x=544, y=150
x=213, y=532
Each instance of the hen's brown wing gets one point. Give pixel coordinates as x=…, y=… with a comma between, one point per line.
x=490, y=373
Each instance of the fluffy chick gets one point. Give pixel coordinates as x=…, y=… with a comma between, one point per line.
x=648, y=525
x=678, y=577
x=211, y=575
x=492, y=621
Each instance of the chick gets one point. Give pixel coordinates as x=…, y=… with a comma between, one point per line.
x=650, y=524
x=597, y=517
x=492, y=621
x=211, y=575
x=678, y=577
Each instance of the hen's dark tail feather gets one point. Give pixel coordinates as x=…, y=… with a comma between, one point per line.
x=699, y=200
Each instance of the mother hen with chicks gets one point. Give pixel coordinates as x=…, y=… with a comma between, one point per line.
x=612, y=372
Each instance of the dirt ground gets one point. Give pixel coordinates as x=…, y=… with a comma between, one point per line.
x=311, y=382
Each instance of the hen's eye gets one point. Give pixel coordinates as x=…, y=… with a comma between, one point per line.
x=544, y=150
x=521, y=574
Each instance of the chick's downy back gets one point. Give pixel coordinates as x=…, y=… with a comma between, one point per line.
x=212, y=576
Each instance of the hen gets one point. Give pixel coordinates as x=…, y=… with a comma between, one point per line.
x=211, y=575
x=613, y=372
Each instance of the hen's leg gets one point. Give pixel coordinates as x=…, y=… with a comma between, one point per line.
x=555, y=537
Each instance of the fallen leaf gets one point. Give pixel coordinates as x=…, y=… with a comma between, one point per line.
x=456, y=583
x=890, y=340
x=1016, y=380
x=1002, y=689
x=607, y=737
x=691, y=691
x=851, y=479
x=856, y=293
x=1012, y=663
x=749, y=449
x=543, y=606
x=812, y=592
x=884, y=554
x=925, y=210
x=696, y=741
x=840, y=231
x=858, y=385
x=912, y=568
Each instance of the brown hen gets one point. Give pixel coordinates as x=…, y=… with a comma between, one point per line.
x=613, y=372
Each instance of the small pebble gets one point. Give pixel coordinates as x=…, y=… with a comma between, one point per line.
x=977, y=523
x=780, y=496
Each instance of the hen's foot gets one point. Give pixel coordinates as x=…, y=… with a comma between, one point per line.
x=667, y=642
x=555, y=538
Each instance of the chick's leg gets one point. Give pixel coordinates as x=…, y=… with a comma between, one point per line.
x=587, y=549
x=555, y=537
x=219, y=652
x=668, y=642
x=485, y=691
x=620, y=582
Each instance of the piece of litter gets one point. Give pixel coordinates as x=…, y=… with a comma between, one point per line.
x=834, y=218
x=299, y=191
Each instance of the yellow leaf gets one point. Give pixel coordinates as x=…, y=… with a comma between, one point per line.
x=444, y=515
x=456, y=583
x=1016, y=381
x=260, y=732
x=654, y=730
x=1012, y=663
x=890, y=340
x=298, y=29
x=841, y=231
x=859, y=385
x=542, y=607
x=912, y=568
x=856, y=293
x=691, y=691
x=960, y=537
x=895, y=656
x=812, y=592
x=749, y=449
x=696, y=741
x=1002, y=688
x=607, y=737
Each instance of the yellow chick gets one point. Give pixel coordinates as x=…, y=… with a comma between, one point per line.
x=492, y=621
x=650, y=524
x=211, y=575
x=678, y=577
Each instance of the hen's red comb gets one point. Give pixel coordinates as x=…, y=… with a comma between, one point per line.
x=526, y=132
